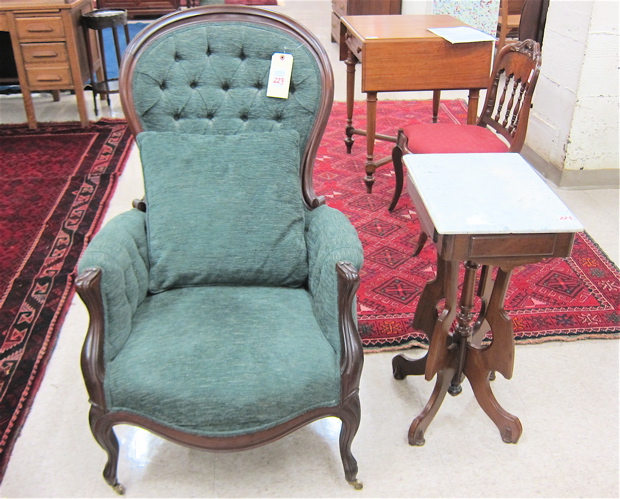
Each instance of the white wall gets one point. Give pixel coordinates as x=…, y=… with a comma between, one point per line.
x=574, y=124
x=574, y=121
x=417, y=7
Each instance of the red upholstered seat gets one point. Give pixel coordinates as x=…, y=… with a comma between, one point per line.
x=502, y=124
x=438, y=138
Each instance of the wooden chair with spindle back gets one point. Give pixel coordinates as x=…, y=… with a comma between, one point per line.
x=500, y=128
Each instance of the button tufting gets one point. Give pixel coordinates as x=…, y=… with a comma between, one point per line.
x=193, y=84
x=225, y=86
x=242, y=55
x=258, y=85
x=177, y=116
x=163, y=85
x=177, y=57
x=244, y=116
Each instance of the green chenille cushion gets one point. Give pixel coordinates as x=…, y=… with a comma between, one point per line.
x=223, y=361
x=223, y=209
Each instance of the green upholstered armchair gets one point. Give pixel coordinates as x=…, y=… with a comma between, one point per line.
x=222, y=307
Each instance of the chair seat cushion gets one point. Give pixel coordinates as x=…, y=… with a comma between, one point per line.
x=438, y=138
x=223, y=361
x=223, y=209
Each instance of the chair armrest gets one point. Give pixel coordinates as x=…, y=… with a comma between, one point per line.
x=113, y=281
x=332, y=240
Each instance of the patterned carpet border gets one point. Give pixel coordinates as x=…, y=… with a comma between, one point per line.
x=34, y=300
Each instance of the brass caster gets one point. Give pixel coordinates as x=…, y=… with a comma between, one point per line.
x=508, y=437
x=356, y=484
x=416, y=438
x=119, y=489
x=455, y=390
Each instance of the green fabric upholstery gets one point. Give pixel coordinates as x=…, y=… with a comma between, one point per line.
x=221, y=361
x=120, y=250
x=330, y=238
x=221, y=301
x=213, y=220
x=211, y=78
x=250, y=356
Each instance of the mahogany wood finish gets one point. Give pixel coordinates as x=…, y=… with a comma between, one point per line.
x=49, y=49
x=102, y=420
x=507, y=103
x=533, y=20
x=398, y=53
x=456, y=353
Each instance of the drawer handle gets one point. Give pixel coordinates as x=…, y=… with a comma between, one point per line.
x=49, y=78
x=45, y=55
x=358, y=49
x=42, y=29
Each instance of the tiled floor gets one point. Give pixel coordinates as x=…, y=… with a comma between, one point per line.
x=566, y=395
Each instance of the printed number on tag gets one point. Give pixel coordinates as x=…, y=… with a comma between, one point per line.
x=280, y=75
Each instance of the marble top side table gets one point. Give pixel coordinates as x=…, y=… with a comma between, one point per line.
x=486, y=211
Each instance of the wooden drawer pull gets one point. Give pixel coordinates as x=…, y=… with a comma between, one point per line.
x=50, y=78
x=42, y=29
x=45, y=54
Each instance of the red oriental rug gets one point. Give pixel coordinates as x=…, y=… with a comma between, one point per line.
x=55, y=183
x=561, y=299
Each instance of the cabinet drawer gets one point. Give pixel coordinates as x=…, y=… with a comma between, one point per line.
x=354, y=44
x=118, y=4
x=39, y=28
x=35, y=53
x=47, y=77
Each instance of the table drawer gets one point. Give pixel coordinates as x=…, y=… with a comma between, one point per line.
x=509, y=245
x=35, y=53
x=48, y=77
x=39, y=28
x=354, y=44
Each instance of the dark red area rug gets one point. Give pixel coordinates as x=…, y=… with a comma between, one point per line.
x=55, y=183
x=561, y=299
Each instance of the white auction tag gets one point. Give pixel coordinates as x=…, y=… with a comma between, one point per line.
x=280, y=75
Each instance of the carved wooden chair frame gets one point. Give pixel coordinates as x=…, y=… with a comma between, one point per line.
x=88, y=284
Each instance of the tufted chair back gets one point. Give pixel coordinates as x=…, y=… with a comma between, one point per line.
x=205, y=71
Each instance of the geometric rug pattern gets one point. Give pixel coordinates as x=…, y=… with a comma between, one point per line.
x=55, y=183
x=558, y=299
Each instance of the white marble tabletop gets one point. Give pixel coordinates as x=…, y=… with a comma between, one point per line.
x=491, y=193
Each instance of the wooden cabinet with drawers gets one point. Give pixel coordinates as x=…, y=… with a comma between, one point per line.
x=48, y=47
x=141, y=8
x=360, y=8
